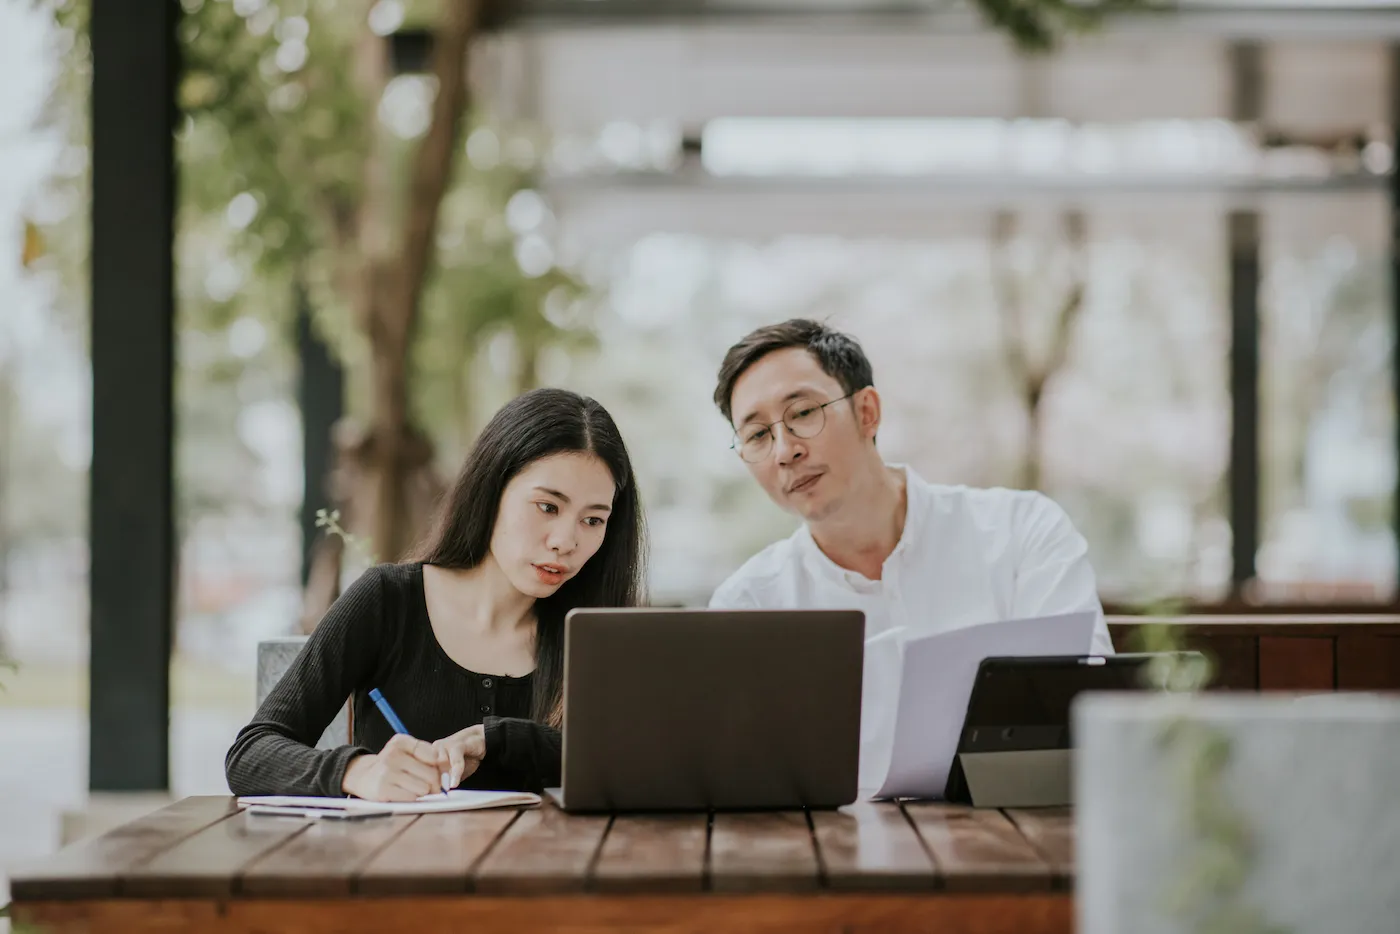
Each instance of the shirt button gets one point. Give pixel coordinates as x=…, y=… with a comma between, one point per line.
x=486, y=682
x=485, y=708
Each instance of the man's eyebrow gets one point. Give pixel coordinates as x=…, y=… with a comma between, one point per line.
x=797, y=393
x=603, y=507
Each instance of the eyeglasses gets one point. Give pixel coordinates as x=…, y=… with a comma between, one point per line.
x=803, y=419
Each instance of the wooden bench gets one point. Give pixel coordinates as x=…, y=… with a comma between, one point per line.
x=1297, y=652
x=200, y=864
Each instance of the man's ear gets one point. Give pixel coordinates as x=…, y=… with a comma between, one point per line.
x=867, y=408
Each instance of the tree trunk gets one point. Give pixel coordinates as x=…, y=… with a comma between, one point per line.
x=386, y=487
x=1032, y=372
x=1030, y=466
x=398, y=452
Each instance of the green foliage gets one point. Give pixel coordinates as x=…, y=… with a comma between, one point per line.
x=479, y=291
x=296, y=133
x=274, y=111
x=1037, y=26
x=281, y=136
x=329, y=519
x=1207, y=893
x=1170, y=670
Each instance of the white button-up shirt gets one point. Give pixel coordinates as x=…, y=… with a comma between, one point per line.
x=966, y=556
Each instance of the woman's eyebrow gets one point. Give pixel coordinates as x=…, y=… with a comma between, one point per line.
x=560, y=496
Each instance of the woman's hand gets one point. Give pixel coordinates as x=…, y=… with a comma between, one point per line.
x=406, y=769
x=459, y=755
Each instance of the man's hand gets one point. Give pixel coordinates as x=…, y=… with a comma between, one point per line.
x=406, y=769
x=459, y=755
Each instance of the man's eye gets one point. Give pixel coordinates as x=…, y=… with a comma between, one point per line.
x=757, y=436
x=804, y=412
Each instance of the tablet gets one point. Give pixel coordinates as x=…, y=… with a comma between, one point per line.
x=1016, y=738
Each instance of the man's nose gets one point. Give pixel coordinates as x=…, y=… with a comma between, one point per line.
x=787, y=447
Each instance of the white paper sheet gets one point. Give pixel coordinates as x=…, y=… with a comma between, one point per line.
x=460, y=799
x=935, y=683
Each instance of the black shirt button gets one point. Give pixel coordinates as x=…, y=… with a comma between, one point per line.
x=485, y=708
x=486, y=682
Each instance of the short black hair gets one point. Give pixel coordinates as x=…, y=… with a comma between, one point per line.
x=839, y=355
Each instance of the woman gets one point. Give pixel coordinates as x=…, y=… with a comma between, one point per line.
x=467, y=642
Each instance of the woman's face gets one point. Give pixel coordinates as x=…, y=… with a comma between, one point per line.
x=552, y=519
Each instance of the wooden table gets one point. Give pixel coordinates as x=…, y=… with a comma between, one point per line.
x=201, y=864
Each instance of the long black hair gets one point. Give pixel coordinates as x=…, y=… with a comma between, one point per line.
x=536, y=425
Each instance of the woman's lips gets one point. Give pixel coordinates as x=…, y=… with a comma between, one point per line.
x=551, y=573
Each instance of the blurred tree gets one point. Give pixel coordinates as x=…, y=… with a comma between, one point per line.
x=304, y=156
x=1033, y=367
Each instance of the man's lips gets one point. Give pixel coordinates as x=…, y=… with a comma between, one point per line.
x=804, y=483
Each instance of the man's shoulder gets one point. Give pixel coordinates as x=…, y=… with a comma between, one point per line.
x=757, y=578
x=989, y=503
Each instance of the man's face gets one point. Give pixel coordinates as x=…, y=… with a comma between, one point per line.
x=809, y=476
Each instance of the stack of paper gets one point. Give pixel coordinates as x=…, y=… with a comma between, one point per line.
x=458, y=800
x=913, y=736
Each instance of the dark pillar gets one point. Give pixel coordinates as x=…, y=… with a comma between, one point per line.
x=132, y=532
x=1395, y=278
x=1244, y=395
x=1246, y=60
x=321, y=394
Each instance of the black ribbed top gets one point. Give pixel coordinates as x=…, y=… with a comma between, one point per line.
x=378, y=635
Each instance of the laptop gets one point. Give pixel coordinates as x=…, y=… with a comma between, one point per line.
x=1016, y=744
x=683, y=710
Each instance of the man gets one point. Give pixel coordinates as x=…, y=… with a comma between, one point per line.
x=916, y=557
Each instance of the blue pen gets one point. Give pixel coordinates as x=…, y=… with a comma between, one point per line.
x=398, y=726
x=387, y=711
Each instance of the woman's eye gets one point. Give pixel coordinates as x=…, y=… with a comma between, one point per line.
x=594, y=521
x=548, y=508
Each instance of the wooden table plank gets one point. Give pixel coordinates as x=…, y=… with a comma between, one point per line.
x=1051, y=832
x=544, y=851
x=653, y=853
x=978, y=849
x=872, y=846
x=91, y=868
x=436, y=854
x=207, y=864
x=323, y=859
x=697, y=913
x=771, y=851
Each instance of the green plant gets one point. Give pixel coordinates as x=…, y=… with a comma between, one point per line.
x=1207, y=893
x=329, y=519
x=16, y=927
x=1037, y=26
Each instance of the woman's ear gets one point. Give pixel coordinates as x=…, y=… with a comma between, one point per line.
x=867, y=406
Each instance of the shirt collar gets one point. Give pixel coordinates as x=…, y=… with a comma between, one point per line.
x=915, y=508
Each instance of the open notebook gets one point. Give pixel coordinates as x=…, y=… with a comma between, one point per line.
x=458, y=800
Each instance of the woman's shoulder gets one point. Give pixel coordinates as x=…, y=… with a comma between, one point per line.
x=387, y=586
x=385, y=601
